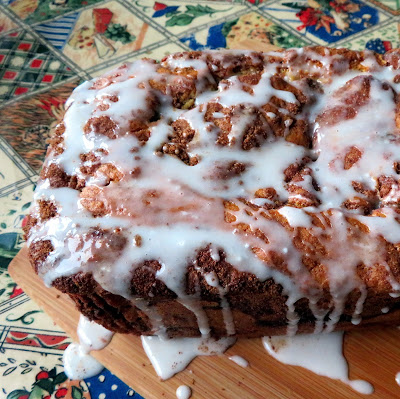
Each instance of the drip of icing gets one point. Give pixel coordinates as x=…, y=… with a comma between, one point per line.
x=93, y=336
x=239, y=360
x=212, y=280
x=172, y=356
x=153, y=314
x=320, y=353
x=183, y=392
x=78, y=363
x=194, y=305
x=397, y=378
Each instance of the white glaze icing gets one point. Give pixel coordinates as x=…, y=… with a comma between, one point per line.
x=397, y=378
x=78, y=363
x=93, y=336
x=212, y=280
x=169, y=357
x=320, y=353
x=183, y=392
x=239, y=360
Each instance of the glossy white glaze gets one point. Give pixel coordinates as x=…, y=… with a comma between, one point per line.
x=239, y=360
x=397, y=378
x=78, y=363
x=169, y=357
x=320, y=353
x=183, y=392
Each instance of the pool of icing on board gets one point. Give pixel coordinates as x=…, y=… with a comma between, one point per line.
x=320, y=353
x=172, y=356
x=78, y=363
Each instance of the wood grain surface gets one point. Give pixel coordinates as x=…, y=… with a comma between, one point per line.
x=373, y=355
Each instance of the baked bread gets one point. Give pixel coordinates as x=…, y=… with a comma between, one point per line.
x=227, y=193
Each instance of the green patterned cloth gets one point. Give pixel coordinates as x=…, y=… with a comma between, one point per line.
x=47, y=47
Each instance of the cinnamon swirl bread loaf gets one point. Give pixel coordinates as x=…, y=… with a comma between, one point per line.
x=227, y=193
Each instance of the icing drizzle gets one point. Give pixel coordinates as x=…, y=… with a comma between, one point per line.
x=78, y=363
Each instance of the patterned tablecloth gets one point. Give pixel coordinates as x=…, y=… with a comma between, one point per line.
x=47, y=47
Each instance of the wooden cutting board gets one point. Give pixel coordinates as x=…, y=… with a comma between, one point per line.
x=373, y=355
